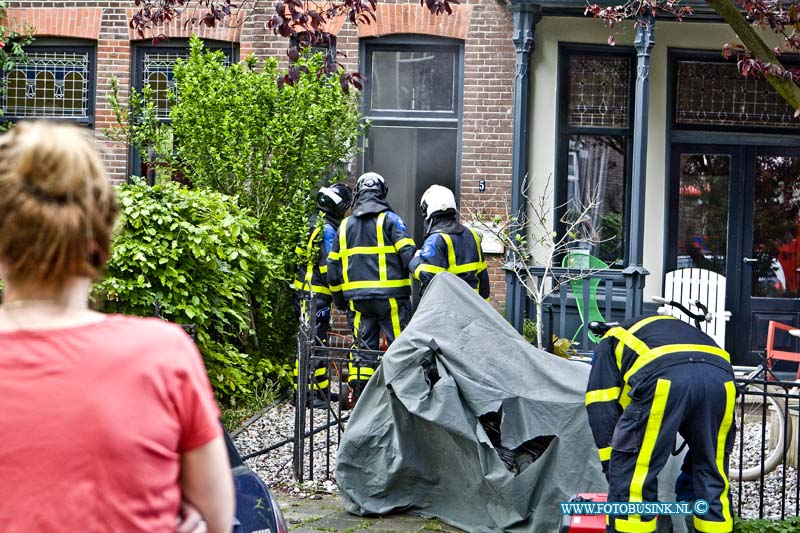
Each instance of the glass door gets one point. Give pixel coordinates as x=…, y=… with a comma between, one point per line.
x=735, y=210
x=703, y=227
x=770, y=258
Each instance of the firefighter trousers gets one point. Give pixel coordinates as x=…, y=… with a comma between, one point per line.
x=320, y=382
x=368, y=318
x=695, y=399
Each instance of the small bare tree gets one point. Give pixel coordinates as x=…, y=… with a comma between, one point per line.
x=531, y=242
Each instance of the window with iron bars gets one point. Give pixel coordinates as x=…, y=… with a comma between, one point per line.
x=56, y=82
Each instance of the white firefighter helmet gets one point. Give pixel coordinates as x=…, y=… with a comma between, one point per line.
x=437, y=199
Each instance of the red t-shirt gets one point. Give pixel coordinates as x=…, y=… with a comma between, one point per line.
x=93, y=420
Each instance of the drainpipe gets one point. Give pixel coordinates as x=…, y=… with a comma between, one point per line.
x=635, y=272
x=526, y=16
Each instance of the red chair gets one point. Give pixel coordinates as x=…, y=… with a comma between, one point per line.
x=780, y=355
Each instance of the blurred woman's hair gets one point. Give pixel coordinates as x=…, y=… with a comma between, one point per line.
x=57, y=207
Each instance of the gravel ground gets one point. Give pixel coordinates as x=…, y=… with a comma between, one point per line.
x=774, y=482
x=276, y=424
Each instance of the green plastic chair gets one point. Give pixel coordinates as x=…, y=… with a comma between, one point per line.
x=584, y=261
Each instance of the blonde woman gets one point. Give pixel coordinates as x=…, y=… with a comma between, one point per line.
x=106, y=422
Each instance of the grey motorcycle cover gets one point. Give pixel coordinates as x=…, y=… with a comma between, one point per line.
x=466, y=421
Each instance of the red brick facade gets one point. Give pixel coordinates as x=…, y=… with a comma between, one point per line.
x=484, y=26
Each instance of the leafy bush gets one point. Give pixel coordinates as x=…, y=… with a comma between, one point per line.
x=233, y=130
x=561, y=347
x=195, y=252
x=790, y=525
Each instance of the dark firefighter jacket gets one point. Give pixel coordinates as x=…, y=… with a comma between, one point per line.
x=631, y=353
x=370, y=254
x=314, y=258
x=451, y=247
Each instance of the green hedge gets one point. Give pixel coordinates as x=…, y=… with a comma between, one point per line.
x=790, y=525
x=198, y=254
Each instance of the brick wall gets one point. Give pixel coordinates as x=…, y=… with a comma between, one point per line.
x=485, y=26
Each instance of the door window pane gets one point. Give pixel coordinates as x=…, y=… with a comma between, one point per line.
x=703, y=211
x=776, y=228
x=411, y=160
x=596, y=175
x=413, y=81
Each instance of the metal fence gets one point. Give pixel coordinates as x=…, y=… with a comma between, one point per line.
x=764, y=474
x=763, y=459
x=603, y=288
x=318, y=431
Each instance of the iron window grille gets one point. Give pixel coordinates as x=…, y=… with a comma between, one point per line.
x=56, y=82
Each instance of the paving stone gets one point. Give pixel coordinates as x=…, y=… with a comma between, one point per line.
x=326, y=514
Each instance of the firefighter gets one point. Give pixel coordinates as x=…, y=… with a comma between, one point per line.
x=332, y=204
x=653, y=377
x=368, y=273
x=448, y=246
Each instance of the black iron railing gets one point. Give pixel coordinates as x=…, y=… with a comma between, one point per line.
x=609, y=296
x=764, y=474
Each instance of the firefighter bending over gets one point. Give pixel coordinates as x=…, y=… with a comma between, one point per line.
x=653, y=377
x=332, y=203
x=368, y=273
x=449, y=246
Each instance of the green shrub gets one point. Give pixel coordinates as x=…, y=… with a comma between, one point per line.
x=233, y=130
x=196, y=253
x=790, y=525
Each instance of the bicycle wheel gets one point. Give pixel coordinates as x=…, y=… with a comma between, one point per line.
x=751, y=416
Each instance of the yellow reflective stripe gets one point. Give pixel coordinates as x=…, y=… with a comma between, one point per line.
x=626, y=339
x=726, y=525
x=343, y=249
x=617, y=332
x=634, y=525
x=395, y=317
x=451, y=252
x=382, y=273
x=321, y=385
x=319, y=289
x=402, y=243
x=604, y=453
x=310, y=245
x=363, y=373
x=649, y=440
x=387, y=284
x=433, y=269
x=707, y=526
x=320, y=371
x=356, y=320
x=369, y=250
x=602, y=395
x=323, y=269
x=655, y=353
x=334, y=256
x=624, y=397
x=478, y=246
x=466, y=267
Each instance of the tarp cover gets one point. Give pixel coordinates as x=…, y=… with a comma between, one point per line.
x=415, y=444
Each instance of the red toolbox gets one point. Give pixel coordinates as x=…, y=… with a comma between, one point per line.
x=585, y=523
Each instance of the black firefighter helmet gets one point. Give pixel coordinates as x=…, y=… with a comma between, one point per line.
x=335, y=199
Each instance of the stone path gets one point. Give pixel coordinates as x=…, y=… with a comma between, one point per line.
x=324, y=513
